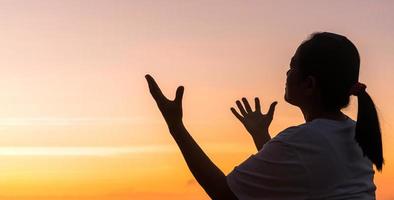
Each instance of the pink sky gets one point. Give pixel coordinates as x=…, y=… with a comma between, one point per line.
x=72, y=83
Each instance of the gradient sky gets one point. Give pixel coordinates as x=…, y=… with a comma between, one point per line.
x=77, y=120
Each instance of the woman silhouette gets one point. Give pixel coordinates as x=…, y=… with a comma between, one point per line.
x=330, y=156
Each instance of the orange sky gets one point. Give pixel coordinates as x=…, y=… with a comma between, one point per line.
x=77, y=120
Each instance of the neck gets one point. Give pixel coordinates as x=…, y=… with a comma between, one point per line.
x=312, y=114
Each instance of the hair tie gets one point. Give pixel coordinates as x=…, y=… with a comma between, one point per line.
x=357, y=89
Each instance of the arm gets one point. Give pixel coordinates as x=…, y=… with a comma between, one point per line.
x=260, y=139
x=255, y=122
x=208, y=175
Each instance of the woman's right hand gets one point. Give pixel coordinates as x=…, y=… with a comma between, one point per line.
x=255, y=122
x=171, y=110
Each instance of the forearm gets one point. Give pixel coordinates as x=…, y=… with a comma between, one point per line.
x=207, y=174
x=260, y=139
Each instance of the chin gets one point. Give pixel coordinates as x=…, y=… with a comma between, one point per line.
x=290, y=101
x=286, y=99
x=285, y=96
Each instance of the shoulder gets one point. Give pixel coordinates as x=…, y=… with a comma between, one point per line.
x=315, y=131
x=293, y=133
x=275, y=172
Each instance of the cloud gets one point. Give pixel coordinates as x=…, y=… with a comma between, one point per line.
x=191, y=182
x=83, y=151
x=58, y=121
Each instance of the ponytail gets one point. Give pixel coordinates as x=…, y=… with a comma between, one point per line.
x=368, y=133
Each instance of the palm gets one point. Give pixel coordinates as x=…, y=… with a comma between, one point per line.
x=254, y=121
x=171, y=110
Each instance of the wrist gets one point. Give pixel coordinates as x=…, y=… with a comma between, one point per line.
x=261, y=135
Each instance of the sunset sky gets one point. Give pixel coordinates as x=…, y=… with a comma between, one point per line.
x=77, y=121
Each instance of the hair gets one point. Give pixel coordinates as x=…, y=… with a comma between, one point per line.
x=335, y=62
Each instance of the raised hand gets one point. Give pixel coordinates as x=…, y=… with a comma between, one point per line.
x=208, y=175
x=171, y=110
x=255, y=122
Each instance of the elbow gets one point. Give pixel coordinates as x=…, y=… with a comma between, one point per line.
x=221, y=192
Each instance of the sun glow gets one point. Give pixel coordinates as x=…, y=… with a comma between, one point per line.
x=77, y=121
x=81, y=151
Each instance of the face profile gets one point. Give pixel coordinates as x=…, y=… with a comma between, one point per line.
x=292, y=81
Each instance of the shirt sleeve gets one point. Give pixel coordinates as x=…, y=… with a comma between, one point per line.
x=275, y=172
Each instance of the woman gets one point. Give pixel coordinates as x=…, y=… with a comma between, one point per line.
x=330, y=156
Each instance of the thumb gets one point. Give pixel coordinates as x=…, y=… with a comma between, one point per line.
x=179, y=94
x=272, y=109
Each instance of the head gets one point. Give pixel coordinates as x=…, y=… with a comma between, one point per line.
x=322, y=71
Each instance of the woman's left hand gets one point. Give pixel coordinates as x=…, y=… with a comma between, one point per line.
x=171, y=110
x=255, y=122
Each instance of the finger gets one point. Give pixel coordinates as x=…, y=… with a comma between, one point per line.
x=247, y=106
x=241, y=108
x=257, y=102
x=237, y=114
x=154, y=88
x=272, y=109
x=179, y=94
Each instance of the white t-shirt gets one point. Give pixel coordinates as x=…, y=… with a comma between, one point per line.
x=319, y=159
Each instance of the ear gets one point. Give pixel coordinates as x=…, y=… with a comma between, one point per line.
x=310, y=85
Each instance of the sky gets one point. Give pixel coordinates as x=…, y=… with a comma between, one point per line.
x=77, y=120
